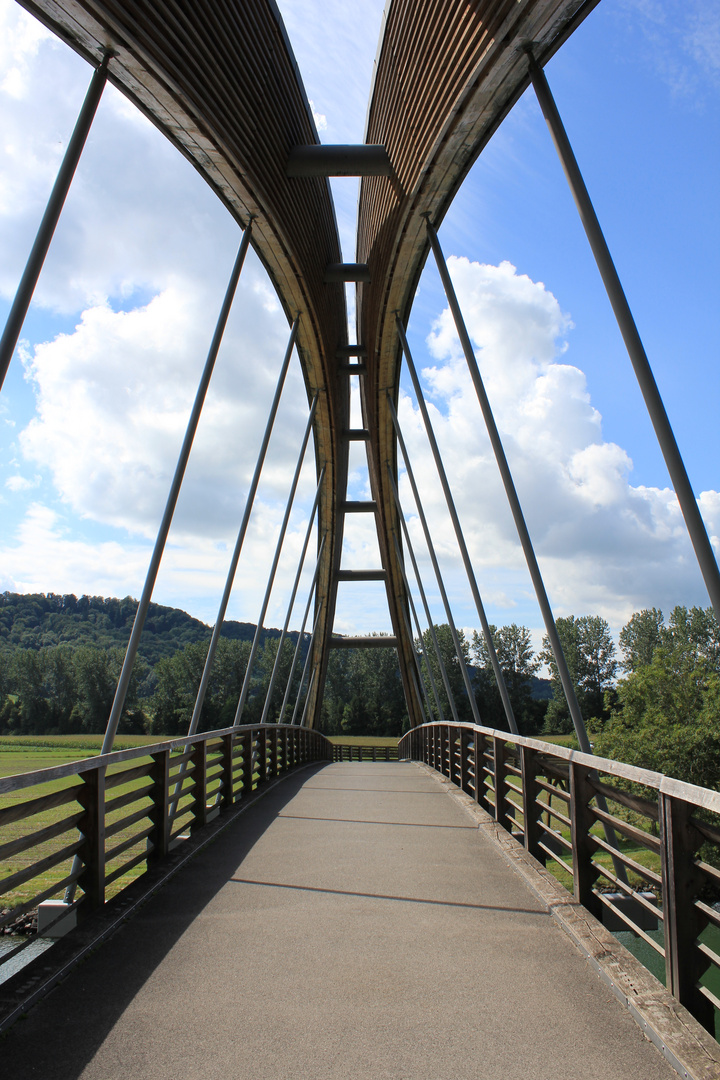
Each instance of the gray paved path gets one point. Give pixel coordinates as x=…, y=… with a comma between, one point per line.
x=353, y=923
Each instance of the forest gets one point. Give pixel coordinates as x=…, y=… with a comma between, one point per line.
x=655, y=702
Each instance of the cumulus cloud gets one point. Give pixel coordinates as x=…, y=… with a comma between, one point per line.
x=114, y=398
x=605, y=545
x=137, y=272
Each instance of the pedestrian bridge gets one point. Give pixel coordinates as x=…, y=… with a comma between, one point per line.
x=304, y=916
x=265, y=910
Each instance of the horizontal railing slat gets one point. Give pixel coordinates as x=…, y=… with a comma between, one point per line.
x=23, y=843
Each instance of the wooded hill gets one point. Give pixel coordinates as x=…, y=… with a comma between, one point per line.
x=44, y=620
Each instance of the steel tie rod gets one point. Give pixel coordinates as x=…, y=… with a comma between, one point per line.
x=436, y=565
x=302, y=631
x=633, y=342
x=431, y=627
x=465, y=554
x=293, y=594
x=423, y=650
x=512, y=496
x=273, y=569
x=50, y=218
x=141, y=613
x=249, y=503
x=305, y=668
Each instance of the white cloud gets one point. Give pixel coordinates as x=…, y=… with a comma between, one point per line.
x=47, y=555
x=319, y=118
x=114, y=398
x=21, y=483
x=604, y=545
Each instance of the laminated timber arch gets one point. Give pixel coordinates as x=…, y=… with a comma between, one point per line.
x=447, y=74
x=219, y=79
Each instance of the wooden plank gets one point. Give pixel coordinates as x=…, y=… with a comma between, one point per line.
x=683, y=922
x=23, y=810
x=92, y=853
x=24, y=843
x=582, y=820
x=29, y=872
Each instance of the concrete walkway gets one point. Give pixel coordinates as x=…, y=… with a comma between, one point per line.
x=353, y=923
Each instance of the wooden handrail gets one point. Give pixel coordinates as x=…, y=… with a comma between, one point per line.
x=484, y=763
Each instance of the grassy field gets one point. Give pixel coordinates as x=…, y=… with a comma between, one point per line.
x=19, y=755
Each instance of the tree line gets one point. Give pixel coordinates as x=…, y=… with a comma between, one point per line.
x=656, y=704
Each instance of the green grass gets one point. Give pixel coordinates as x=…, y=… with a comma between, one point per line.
x=91, y=743
x=28, y=755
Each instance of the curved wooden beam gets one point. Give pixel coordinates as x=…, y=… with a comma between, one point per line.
x=220, y=81
x=447, y=73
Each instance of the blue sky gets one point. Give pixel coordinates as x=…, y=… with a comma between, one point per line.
x=87, y=439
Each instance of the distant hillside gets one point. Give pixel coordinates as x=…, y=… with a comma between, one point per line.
x=42, y=620
x=540, y=689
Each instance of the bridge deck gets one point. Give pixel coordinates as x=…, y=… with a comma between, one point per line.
x=353, y=923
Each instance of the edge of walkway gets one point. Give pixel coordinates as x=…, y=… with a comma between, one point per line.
x=33, y=982
x=682, y=1040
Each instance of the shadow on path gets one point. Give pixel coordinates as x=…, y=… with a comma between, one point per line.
x=62, y=1033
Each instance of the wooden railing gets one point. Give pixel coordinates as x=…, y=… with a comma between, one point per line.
x=352, y=752
x=661, y=881
x=91, y=827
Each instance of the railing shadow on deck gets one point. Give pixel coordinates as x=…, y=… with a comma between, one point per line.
x=661, y=882
x=87, y=830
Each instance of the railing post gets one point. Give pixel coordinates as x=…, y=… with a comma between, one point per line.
x=228, y=794
x=262, y=752
x=464, y=778
x=531, y=808
x=452, y=769
x=199, y=775
x=273, y=751
x=160, y=814
x=92, y=828
x=481, y=742
x=582, y=818
x=500, y=786
x=680, y=882
x=247, y=763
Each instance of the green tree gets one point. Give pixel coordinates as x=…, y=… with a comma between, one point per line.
x=640, y=637
x=667, y=716
x=450, y=662
x=518, y=664
x=590, y=656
